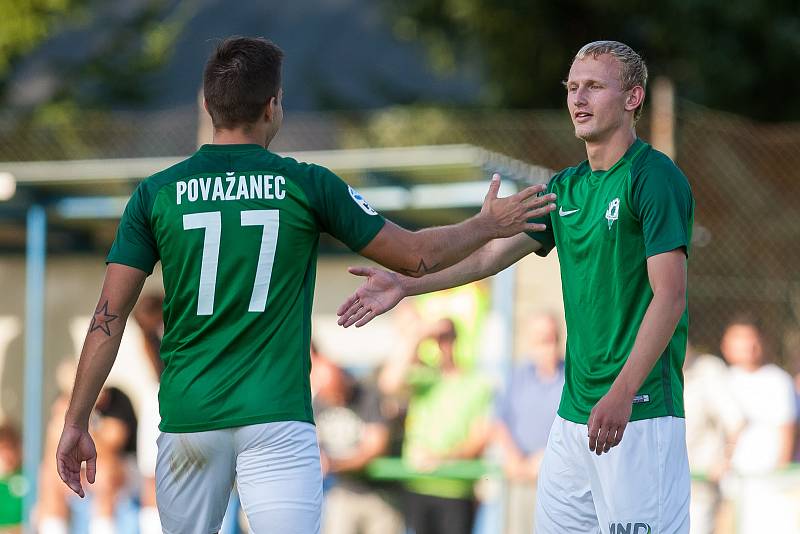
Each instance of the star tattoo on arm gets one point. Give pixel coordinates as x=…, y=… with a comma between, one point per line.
x=101, y=319
x=422, y=269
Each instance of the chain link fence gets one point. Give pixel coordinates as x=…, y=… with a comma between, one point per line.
x=745, y=177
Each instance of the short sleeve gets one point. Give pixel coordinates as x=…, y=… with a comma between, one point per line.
x=784, y=407
x=662, y=199
x=343, y=212
x=135, y=245
x=546, y=237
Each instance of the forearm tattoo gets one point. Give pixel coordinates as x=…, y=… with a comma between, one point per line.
x=421, y=269
x=101, y=319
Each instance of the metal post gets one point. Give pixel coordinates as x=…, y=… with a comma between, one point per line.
x=34, y=354
x=503, y=300
x=663, y=124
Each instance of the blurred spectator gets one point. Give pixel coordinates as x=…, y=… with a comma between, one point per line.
x=797, y=417
x=713, y=423
x=113, y=428
x=525, y=414
x=448, y=419
x=110, y=504
x=765, y=393
x=12, y=485
x=352, y=432
x=52, y=507
x=324, y=372
x=148, y=314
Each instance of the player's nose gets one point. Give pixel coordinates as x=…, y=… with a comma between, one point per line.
x=579, y=97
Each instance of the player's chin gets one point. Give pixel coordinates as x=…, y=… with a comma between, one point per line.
x=585, y=133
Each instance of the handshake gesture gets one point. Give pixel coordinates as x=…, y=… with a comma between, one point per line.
x=502, y=219
x=512, y=215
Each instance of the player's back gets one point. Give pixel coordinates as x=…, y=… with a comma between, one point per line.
x=236, y=229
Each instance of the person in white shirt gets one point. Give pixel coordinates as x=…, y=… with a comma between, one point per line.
x=713, y=423
x=765, y=393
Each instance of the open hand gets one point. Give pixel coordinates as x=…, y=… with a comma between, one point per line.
x=608, y=420
x=378, y=294
x=75, y=447
x=509, y=216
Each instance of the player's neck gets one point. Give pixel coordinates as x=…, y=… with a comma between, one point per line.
x=751, y=367
x=604, y=154
x=239, y=136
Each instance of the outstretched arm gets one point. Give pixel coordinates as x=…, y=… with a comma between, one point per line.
x=121, y=288
x=383, y=290
x=430, y=250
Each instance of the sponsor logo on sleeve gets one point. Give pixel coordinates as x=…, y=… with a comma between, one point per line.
x=361, y=201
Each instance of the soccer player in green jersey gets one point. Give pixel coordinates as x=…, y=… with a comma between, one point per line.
x=236, y=229
x=622, y=230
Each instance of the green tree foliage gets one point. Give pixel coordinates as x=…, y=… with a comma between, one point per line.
x=126, y=42
x=93, y=56
x=25, y=23
x=735, y=55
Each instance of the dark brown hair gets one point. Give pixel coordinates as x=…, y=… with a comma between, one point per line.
x=10, y=434
x=746, y=319
x=240, y=78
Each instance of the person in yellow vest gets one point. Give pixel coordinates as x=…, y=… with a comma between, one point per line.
x=448, y=419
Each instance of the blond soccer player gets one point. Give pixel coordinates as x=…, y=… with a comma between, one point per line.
x=622, y=230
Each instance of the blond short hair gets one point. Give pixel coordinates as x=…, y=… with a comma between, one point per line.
x=633, y=72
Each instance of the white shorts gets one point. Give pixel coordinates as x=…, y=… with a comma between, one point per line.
x=641, y=486
x=277, y=471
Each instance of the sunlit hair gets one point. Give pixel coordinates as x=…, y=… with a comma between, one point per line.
x=633, y=71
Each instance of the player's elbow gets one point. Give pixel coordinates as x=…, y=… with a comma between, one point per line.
x=489, y=261
x=403, y=251
x=672, y=297
x=488, y=268
x=420, y=257
x=416, y=272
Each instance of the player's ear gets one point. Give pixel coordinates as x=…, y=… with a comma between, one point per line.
x=635, y=98
x=270, y=109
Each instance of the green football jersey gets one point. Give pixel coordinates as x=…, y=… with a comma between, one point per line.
x=607, y=224
x=236, y=229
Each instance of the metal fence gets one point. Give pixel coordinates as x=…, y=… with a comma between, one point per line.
x=745, y=177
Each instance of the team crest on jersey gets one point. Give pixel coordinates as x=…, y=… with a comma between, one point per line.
x=361, y=201
x=612, y=213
